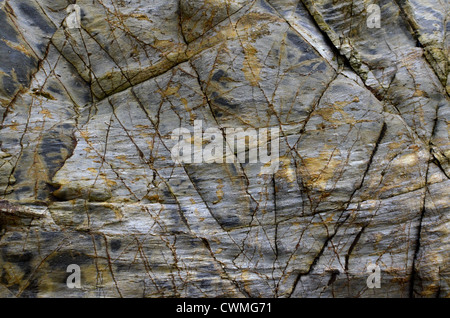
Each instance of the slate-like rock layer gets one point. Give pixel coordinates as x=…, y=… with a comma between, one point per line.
x=86, y=169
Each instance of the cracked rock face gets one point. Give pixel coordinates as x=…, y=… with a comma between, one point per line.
x=87, y=169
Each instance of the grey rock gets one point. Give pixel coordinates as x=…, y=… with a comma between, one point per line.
x=87, y=169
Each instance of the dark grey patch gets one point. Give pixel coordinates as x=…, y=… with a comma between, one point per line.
x=432, y=11
x=307, y=52
x=14, y=289
x=194, y=243
x=307, y=69
x=322, y=67
x=267, y=6
x=15, y=237
x=334, y=273
x=50, y=237
x=327, y=6
x=206, y=271
x=222, y=101
x=20, y=175
x=205, y=284
x=307, y=55
x=98, y=239
x=63, y=259
x=82, y=14
x=196, y=181
x=120, y=267
x=229, y=222
x=51, y=150
x=218, y=75
x=296, y=40
x=115, y=245
x=10, y=86
x=32, y=289
x=34, y=14
x=176, y=217
x=168, y=196
x=217, y=113
x=302, y=113
x=8, y=32
x=22, y=260
x=42, y=47
x=57, y=146
x=21, y=63
x=87, y=97
x=338, y=88
x=233, y=169
x=54, y=89
x=67, y=126
x=24, y=189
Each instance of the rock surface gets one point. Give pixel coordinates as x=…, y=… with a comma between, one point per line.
x=87, y=175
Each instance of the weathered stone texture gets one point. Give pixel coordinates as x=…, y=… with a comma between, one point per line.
x=87, y=175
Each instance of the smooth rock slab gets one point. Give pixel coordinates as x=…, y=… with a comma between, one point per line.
x=88, y=176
